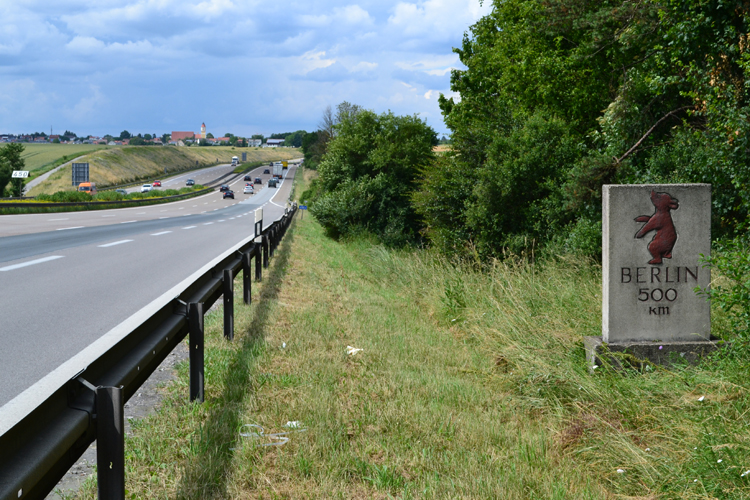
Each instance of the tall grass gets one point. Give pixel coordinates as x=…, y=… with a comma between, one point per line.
x=470, y=384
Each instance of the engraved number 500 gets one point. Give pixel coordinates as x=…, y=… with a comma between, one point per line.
x=657, y=294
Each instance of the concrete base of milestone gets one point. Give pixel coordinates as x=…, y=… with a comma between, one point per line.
x=641, y=354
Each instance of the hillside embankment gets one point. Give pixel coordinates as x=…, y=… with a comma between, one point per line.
x=135, y=163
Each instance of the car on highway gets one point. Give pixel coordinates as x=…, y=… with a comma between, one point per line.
x=224, y=188
x=228, y=194
x=146, y=188
x=248, y=178
x=266, y=171
x=157, y=184
x=272, y=183
x=121, y=191
x=190, y=182
x=258, y=180
x=248, y=190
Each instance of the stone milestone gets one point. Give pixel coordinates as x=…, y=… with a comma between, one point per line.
x=653, y=236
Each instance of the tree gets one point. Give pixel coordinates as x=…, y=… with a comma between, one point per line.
x=148, y=137
x=368, y=174
x=10, y=160
x=165, y=138
x=124, y=135
x=209, y=135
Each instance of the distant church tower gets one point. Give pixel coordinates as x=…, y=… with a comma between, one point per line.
x=203, y=130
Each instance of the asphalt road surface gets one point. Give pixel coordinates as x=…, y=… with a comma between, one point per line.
x=68, y=278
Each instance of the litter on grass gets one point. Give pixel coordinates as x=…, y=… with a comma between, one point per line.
x=352, y=350
x=254, y=431
x=701, y=398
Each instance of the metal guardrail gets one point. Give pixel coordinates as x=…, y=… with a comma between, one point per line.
x=40, y=448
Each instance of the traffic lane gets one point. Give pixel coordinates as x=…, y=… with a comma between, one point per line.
x=31, y=223
x=25, y=246
x=202, y=176
x=53, y=309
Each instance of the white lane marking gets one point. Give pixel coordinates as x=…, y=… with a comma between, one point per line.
x=206, y=203
x=195, y=205
x=203, y=212
x=163, y=217
x=181, y=208
x=67, y=218
x=159, y=234
x=189, y=227
x=114, y=243
x=214, y=210
x=162, y=210
x=109, y=216
x=185, y=215
x=141, y=213
x=207, y=223
x=222, y=220
x=231, y=218
x=31, y=262
x=66, y=228
x=128, y=221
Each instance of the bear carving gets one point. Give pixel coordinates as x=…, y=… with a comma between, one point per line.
x=661, y=245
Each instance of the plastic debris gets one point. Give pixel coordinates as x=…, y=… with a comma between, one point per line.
x=719, y=461
x=701, y=398
x=254, y=431
x=648, y=449
x=620, y=471
x=352, y=350
x=294, y=424
x=283, y=345
x=745, y=473
x=595, y=367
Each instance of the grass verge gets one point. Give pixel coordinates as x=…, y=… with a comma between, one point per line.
x=469, y=385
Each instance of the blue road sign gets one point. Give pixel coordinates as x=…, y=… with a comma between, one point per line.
x=303, y=207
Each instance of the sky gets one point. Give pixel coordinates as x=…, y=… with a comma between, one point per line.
x=241, y=66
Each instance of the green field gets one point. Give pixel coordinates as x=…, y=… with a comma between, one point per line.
x=39, y=156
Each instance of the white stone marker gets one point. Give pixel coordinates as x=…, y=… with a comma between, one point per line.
x=652, y=239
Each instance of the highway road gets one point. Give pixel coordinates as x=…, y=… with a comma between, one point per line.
x=66, y=279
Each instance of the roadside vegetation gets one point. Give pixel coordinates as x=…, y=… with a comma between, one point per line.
x=470, y=383
x=128, y=164
x=152, y=197
x=41, y=158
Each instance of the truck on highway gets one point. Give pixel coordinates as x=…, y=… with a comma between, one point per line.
x=235, y=161
x=278, y=170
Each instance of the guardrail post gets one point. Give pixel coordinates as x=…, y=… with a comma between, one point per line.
x=110, y=443
x=195, y=320
x=258, y=263
x=265, y=251
x=272, y=240
x=228, y=286
x=247, y=279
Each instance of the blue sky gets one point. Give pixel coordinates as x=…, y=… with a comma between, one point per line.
x=242, y=66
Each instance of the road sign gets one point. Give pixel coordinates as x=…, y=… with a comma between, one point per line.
x=303, y=207
x=244, y=157
x=80, y=173
x=20, y=174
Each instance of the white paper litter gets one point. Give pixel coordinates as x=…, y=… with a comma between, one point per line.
x=352, y=350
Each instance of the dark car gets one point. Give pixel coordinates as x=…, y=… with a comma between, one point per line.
x=190, y=182
x=224, y=188
x=272, y=183
x=258, y=180
x=266, y=171
x=248, y=178
x=228, y=194
x=121, y=191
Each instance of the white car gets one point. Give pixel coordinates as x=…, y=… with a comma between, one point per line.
x=248, y=190
x=146, y=188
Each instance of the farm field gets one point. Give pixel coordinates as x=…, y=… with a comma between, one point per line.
x=122, y=165
x=37, y=156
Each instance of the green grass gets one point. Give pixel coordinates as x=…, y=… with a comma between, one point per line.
x=470, y=384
